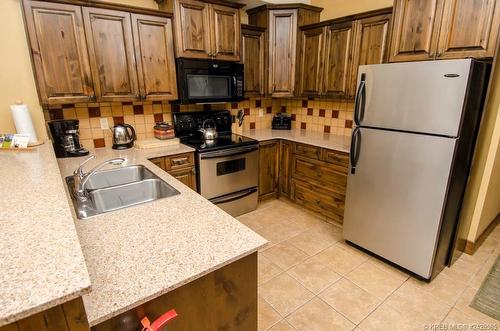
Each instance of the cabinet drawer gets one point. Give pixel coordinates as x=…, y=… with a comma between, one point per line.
x=338, y=159
x=308, y=151
x=315, y=198
x=320, y=173
x=179, y=161
x=159, y=162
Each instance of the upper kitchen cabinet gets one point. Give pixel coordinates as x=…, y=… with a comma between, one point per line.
x=371, y=44
x=207, y=31
x=283, y=43
x=432, y=29
x=252, y=55
x=111, y=51
x=332, y=51
x=59, y=52
x=154, y=53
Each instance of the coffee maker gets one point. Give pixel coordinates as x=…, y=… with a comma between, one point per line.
x=65, y=138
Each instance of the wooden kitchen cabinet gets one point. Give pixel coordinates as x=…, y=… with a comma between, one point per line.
x=252, y=56
x=311, y=64
x=269, y=169
x=371, y=45
x=59, y=52
x=332, y=51
x=180, y=166
x=444, y=29
x=207, y=31
x=111, y=51
x=285, y=160
x=154, y=53
x=283, y=42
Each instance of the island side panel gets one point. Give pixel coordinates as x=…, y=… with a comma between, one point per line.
x=225, y=299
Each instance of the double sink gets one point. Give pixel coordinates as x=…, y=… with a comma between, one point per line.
x=113, y=189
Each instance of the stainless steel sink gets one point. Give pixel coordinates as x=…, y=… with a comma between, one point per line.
x=118, y=176
x=114, y=189
x=122, y=196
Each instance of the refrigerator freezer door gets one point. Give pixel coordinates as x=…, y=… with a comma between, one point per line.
x=425, y=96
x=395, y=198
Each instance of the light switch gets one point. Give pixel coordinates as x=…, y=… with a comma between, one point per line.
x=104, y=123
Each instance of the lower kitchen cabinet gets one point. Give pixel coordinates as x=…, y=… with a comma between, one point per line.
x=180, y=166
x=268, y=169
x=313, y=177
x=69, y=316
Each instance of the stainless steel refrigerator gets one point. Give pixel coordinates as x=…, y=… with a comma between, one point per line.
x=415, y=129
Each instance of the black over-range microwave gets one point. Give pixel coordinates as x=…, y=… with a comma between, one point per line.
x=209, y=81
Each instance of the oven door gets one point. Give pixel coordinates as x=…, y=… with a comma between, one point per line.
x=228, y=171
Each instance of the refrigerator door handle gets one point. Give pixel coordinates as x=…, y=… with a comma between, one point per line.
x=359, y=102
x=355, y=149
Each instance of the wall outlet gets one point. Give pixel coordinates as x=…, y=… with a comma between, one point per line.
x=104, y=123
x=261, y=112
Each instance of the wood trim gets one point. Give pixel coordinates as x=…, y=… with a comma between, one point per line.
x=113, y=6
x=284, y=6
x=472, y=247
x=217, y=2
x=253, y=27
x=383, y=11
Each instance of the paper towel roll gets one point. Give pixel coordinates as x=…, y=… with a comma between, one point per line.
x=23, y=122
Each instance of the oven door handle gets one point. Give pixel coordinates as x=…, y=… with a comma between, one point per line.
x=228, y=152
x=233, y=196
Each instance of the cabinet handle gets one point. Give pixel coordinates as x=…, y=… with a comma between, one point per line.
x=439, y=54
x=179, y=161
x=92, y=97
x=193, y=170
x=431, y=54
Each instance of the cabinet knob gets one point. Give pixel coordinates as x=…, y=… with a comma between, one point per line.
x=439, y=54
x=92, y=97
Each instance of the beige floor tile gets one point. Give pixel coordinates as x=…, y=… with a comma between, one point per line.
x=267, y=269
x=386, y=318
x=284, y=293
x=442, y=287
x=282, y=326
x=266, y=315
x=378, y=262
x=339, y=259
x=373, y=279
x=311, y=242
x=417, y=303
x=350, y=300
x=250, y=220
x=316, y=315
x=314, y=275
x=463, y=305
x=353, y=250
x=284, y=255
x=478, y=279
x=270, y=234
x=463, y=269
x=308, y=220
x=456, y=317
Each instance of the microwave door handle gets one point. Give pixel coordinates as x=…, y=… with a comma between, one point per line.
x=233, y=196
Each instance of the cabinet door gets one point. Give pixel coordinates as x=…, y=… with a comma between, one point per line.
x=252, y=56
x=469, y=28
x=60, y=59
x=415, y=29
x=225, y=27
x=311, y=61
x=371, y=39
x=286, y=150
x=186, y=175
x=282, y=52
x=338, y=54
x=268, y=169
x=154, y=52
x=192, y=29
x=111, y=50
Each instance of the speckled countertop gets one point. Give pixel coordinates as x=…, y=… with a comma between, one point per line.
x=41, y=262
x=138, y=253
x=325, y=140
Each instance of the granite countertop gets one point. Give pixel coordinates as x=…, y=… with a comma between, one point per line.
x=41, y=263
x=319, y=139
x=139, y=253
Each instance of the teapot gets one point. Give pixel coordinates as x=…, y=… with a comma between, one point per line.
x=208, y=132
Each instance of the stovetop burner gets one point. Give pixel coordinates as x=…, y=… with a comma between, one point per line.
x=224, y=140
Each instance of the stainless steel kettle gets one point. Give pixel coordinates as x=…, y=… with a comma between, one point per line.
x=123, y=136
x=209, y=133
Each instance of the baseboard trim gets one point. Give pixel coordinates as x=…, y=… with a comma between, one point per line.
x=472, y=247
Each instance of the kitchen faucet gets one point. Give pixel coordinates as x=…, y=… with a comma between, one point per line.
x=81, y=178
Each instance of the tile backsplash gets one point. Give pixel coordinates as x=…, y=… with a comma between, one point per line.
x=328, y=116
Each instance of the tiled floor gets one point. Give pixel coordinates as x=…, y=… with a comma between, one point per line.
x=310, y=279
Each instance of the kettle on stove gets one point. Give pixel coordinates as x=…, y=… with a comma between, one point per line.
x=123, y=136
